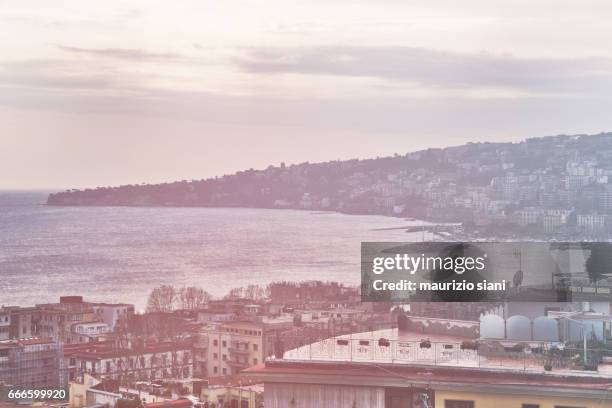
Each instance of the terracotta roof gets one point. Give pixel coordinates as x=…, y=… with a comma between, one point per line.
x=108, y=386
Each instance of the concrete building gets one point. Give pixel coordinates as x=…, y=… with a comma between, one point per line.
x=240, y=396
x=149, y=362
x=55, y=320
x=92, y=391
x=5, y=324
x=22, y=326
x=113, y=314
x=391, y=369
x=85, y=332
x=592, y=222
x=230, y=347
x=31, y=363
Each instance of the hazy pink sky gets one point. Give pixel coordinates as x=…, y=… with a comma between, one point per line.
x=144, y=91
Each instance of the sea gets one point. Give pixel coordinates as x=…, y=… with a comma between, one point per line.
x=119, y=254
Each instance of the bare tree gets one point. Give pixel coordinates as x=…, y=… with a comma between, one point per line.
x=255, y=292
x=162, y=299
x=236, y=293
x=192, y=298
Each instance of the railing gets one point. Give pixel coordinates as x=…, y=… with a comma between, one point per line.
x=533, y=357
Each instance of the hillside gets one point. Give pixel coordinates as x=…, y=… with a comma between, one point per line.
x=487, y=182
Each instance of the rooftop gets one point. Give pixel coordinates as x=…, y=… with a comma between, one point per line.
x=103, y=351
x=451, y=377
x=402, y=348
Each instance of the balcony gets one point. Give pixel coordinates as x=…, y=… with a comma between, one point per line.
x=237, y=364
x=239, y=347
x=243, y=352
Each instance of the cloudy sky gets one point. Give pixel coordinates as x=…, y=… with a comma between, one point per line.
x=119, y=92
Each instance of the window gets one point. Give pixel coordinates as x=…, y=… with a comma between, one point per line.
x=215, y=343
x=254, y=361
x=215, y=356
x=255, y=347
x=215, y=370
x=458, y=404
x=224, y=357
x=530, y=406
x=224, y=343
x=224, y=371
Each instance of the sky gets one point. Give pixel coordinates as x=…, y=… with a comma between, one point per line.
x=121, y=92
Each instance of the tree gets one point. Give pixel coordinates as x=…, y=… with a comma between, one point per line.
x=599, y=262
x=255, y=292
x=236, y=293
x=162, y=299
x=192, y=298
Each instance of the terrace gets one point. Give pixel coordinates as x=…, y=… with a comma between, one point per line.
x=408, y=348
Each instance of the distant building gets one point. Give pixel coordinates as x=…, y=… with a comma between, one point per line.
x=592, y=222
x=5, y=324
x=114, y=314
x=59, y=321
x=85, y=332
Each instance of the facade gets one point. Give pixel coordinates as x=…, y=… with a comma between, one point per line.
x=5, y=324
x=61, y=321
x=22, y=326
x=55, y=320
x=91, y=391
x=592, y=222
x=399, y=371
x=154, y=361
x=114, y=315
x=230, y=347
x=348, y=386
x=248, y=396
x=85, y=332
x=35, y=363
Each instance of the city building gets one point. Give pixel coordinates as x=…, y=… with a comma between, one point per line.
x=395, y=369
x=148, y=362
x=5, y=324
x=228, y=348
x=31, y=363
x=114, y=315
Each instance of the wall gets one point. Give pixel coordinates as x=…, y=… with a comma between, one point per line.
x=515, y=401
x=278, y=395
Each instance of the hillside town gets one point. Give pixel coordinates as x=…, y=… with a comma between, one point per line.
x=289, y=344
x=557, y=187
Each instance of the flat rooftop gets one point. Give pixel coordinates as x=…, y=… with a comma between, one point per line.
x=395, y=347
x=349, y=373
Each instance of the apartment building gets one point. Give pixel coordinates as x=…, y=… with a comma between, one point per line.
x=85, y=332
x=31, y=363
x=71, y=320
x=114, y=315
x=149, y=362
x=5, y=324
x=55, y=320
x=228, y=348
x=22, y=326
